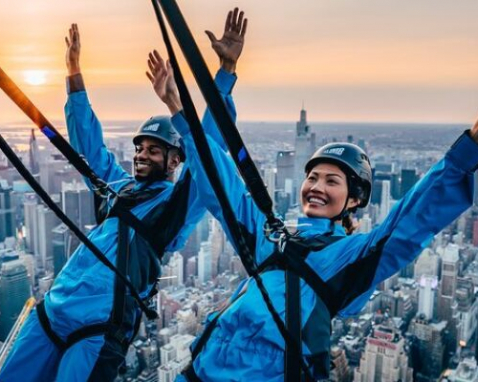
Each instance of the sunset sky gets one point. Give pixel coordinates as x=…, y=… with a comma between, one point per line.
x=347, y=60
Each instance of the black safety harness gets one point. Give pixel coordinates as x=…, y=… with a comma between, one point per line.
x=292, y=250
x=237, y=148
x=162, y=227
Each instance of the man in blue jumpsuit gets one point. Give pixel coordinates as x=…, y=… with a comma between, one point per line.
x=86, y=293
x=245, y=344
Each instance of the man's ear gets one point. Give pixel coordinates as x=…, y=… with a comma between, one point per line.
x=174, y=160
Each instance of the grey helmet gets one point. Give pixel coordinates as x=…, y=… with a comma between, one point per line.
x=353, y=161
x=161, y=128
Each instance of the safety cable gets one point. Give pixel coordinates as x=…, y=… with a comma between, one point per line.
x=78, y=162
x=225, y=123
x=22, y=101
x=171, y=10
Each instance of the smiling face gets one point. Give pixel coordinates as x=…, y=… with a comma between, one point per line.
x=149, y=160
x=324, y=192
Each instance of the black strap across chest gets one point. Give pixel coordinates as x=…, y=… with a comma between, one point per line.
x=335, y=293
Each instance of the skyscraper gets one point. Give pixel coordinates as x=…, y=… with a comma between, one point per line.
x=285, y=168
x=204, y=262
x=409, y=178
x=270, y=180
x=14, y=292
x=47, y=220
x=427, y=296
x=305, y=146
x=31, y=223
x=428, y=347
x=7, y=213
x=34, y=155
x=60, y=240
x=449, y=275
x=78, y=204
x=385, y=358
x=365, y=224
x=385, y=201
x=467, y=310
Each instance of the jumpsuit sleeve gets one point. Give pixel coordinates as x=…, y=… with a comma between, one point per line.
x=440, y=197
x=246, y=211
x=85, y=133
x=196, y=203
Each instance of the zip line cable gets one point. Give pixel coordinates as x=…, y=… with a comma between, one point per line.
x=177, y=22
x=27, y=106
x=224, y=121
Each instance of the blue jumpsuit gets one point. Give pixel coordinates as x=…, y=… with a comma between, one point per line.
x=83, y=292
x=246, y=345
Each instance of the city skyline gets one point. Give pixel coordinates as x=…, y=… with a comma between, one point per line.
x=347, y=61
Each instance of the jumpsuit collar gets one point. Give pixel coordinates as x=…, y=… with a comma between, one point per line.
x=313, y=226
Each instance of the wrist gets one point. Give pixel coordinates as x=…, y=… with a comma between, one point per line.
x=174, y=106
x=228, y=66
x=73, y=69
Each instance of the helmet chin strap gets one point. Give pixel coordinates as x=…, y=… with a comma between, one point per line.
x=344, y=213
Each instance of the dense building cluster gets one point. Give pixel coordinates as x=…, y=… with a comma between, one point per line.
x=420, y=325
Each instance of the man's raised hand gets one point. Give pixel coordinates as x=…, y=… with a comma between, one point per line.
x=73, y=48
x=162, y=78
x=229, y=47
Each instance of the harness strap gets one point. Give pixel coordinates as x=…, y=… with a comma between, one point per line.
x=190, y=374
x=107, y=329
x=45, y=324
x=122, y=260
x=206, y=334
x=293, y=322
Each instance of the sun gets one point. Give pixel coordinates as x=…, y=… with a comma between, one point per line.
x=35, y=77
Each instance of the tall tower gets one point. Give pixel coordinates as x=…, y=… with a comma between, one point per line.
x=449, y=275
x=385, y=200
x=304, y=148
x=426, y=295
x=204, y=262
x=7, y=213
x=31, y=223
x=47, y=221
x=34, y=154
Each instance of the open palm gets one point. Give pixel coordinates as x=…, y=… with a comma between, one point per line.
x=229, y=47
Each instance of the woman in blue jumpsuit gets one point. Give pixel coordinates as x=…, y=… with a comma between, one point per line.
x=245, y=344
x=85, y=291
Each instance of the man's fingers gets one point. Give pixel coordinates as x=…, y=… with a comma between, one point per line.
x=239, y=22
x=211, y=36
x=244, y=28
x=159, y=59
x=150, y=76
x=151, y=66
x=67, y=42
x=234, y=19
x=228, y=22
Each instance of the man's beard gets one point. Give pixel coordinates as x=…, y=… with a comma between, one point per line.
x=155, y=174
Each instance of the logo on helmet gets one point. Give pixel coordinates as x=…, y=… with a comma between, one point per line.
x=336, y=151
x=152, y=127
